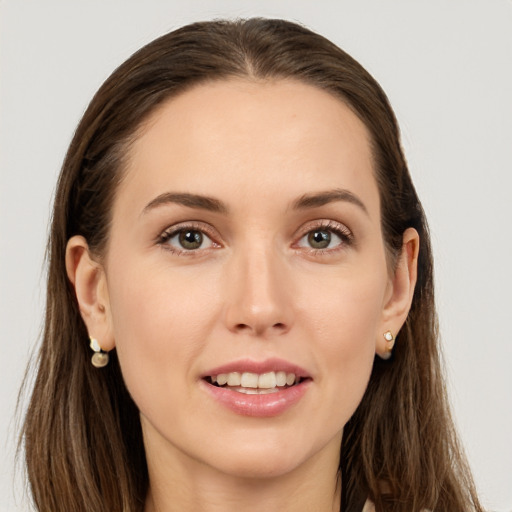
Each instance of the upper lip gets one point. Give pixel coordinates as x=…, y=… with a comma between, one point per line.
x=252, y=366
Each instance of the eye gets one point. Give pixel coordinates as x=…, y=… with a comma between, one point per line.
x=186, y=239
x=325, y=237
x=190, y=239
x=321, y=239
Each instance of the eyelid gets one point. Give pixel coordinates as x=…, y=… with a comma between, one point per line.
x=338, y=228
x=172, y=230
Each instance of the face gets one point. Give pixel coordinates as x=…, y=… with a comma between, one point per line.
x=246, y=239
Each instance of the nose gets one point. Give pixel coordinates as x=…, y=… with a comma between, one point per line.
x=259, y=293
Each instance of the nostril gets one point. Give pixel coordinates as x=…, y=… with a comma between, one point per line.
x=259, y=329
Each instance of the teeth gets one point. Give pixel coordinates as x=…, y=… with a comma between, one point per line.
x=249, y=391
x=281, y=378
x=248, y=380
x=267, y=380
x=234, y=379
x=221, y=379
x=290, y=379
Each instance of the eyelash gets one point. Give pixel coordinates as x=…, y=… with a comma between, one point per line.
x=171, y=232
x=344, y=234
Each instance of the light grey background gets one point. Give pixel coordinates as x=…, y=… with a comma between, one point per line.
x=447, y=68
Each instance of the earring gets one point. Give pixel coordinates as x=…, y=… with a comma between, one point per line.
x=100, y=358
x=390, y=342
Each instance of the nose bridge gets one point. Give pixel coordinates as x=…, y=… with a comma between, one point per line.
x=259, y=300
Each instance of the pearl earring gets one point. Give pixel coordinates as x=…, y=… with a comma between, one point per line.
x=100, y=358
x=390, y=342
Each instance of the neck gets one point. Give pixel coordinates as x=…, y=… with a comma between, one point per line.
x=179, y=484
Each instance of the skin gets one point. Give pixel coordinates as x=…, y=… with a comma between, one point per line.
x=255, y=289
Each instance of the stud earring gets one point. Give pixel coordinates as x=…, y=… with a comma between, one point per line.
x=100, y=358
x=390, y=342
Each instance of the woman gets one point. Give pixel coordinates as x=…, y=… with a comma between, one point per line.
x=240, y=293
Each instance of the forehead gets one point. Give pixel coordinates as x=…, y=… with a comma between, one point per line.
x=241, y=138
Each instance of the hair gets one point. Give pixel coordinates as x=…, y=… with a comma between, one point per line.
x=82, y=435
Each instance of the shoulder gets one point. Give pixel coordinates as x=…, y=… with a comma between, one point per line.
x=370, y=507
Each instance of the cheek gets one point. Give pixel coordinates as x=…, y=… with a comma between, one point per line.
x=160, y=322
x=155, y=304
x=344, y=320
x=347, y=308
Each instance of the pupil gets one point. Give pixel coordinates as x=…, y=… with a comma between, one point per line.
x=191, y=239
x=319, y=239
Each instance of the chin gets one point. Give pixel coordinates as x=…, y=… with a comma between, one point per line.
x=257, y=468
x=263, y=458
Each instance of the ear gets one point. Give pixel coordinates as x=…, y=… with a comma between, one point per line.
x=400, y=291
x=89, y=281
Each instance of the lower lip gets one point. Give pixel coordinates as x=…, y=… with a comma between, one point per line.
x=263, y=406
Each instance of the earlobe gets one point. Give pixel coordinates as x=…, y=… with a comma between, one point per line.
x=399, y=300
x=89, y=281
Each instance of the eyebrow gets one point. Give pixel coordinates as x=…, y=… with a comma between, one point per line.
x=329, y=196
x=211, y=204
x=190, y=200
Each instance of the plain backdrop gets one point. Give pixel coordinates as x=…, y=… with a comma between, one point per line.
x=447, y=68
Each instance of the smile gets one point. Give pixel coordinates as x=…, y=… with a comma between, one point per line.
x=264, y=389
x=254, y=383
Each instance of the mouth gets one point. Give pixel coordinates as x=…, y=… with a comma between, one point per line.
x=255, y=383
x=257, y=388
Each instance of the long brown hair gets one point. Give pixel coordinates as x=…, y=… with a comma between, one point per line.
x=82, y=435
